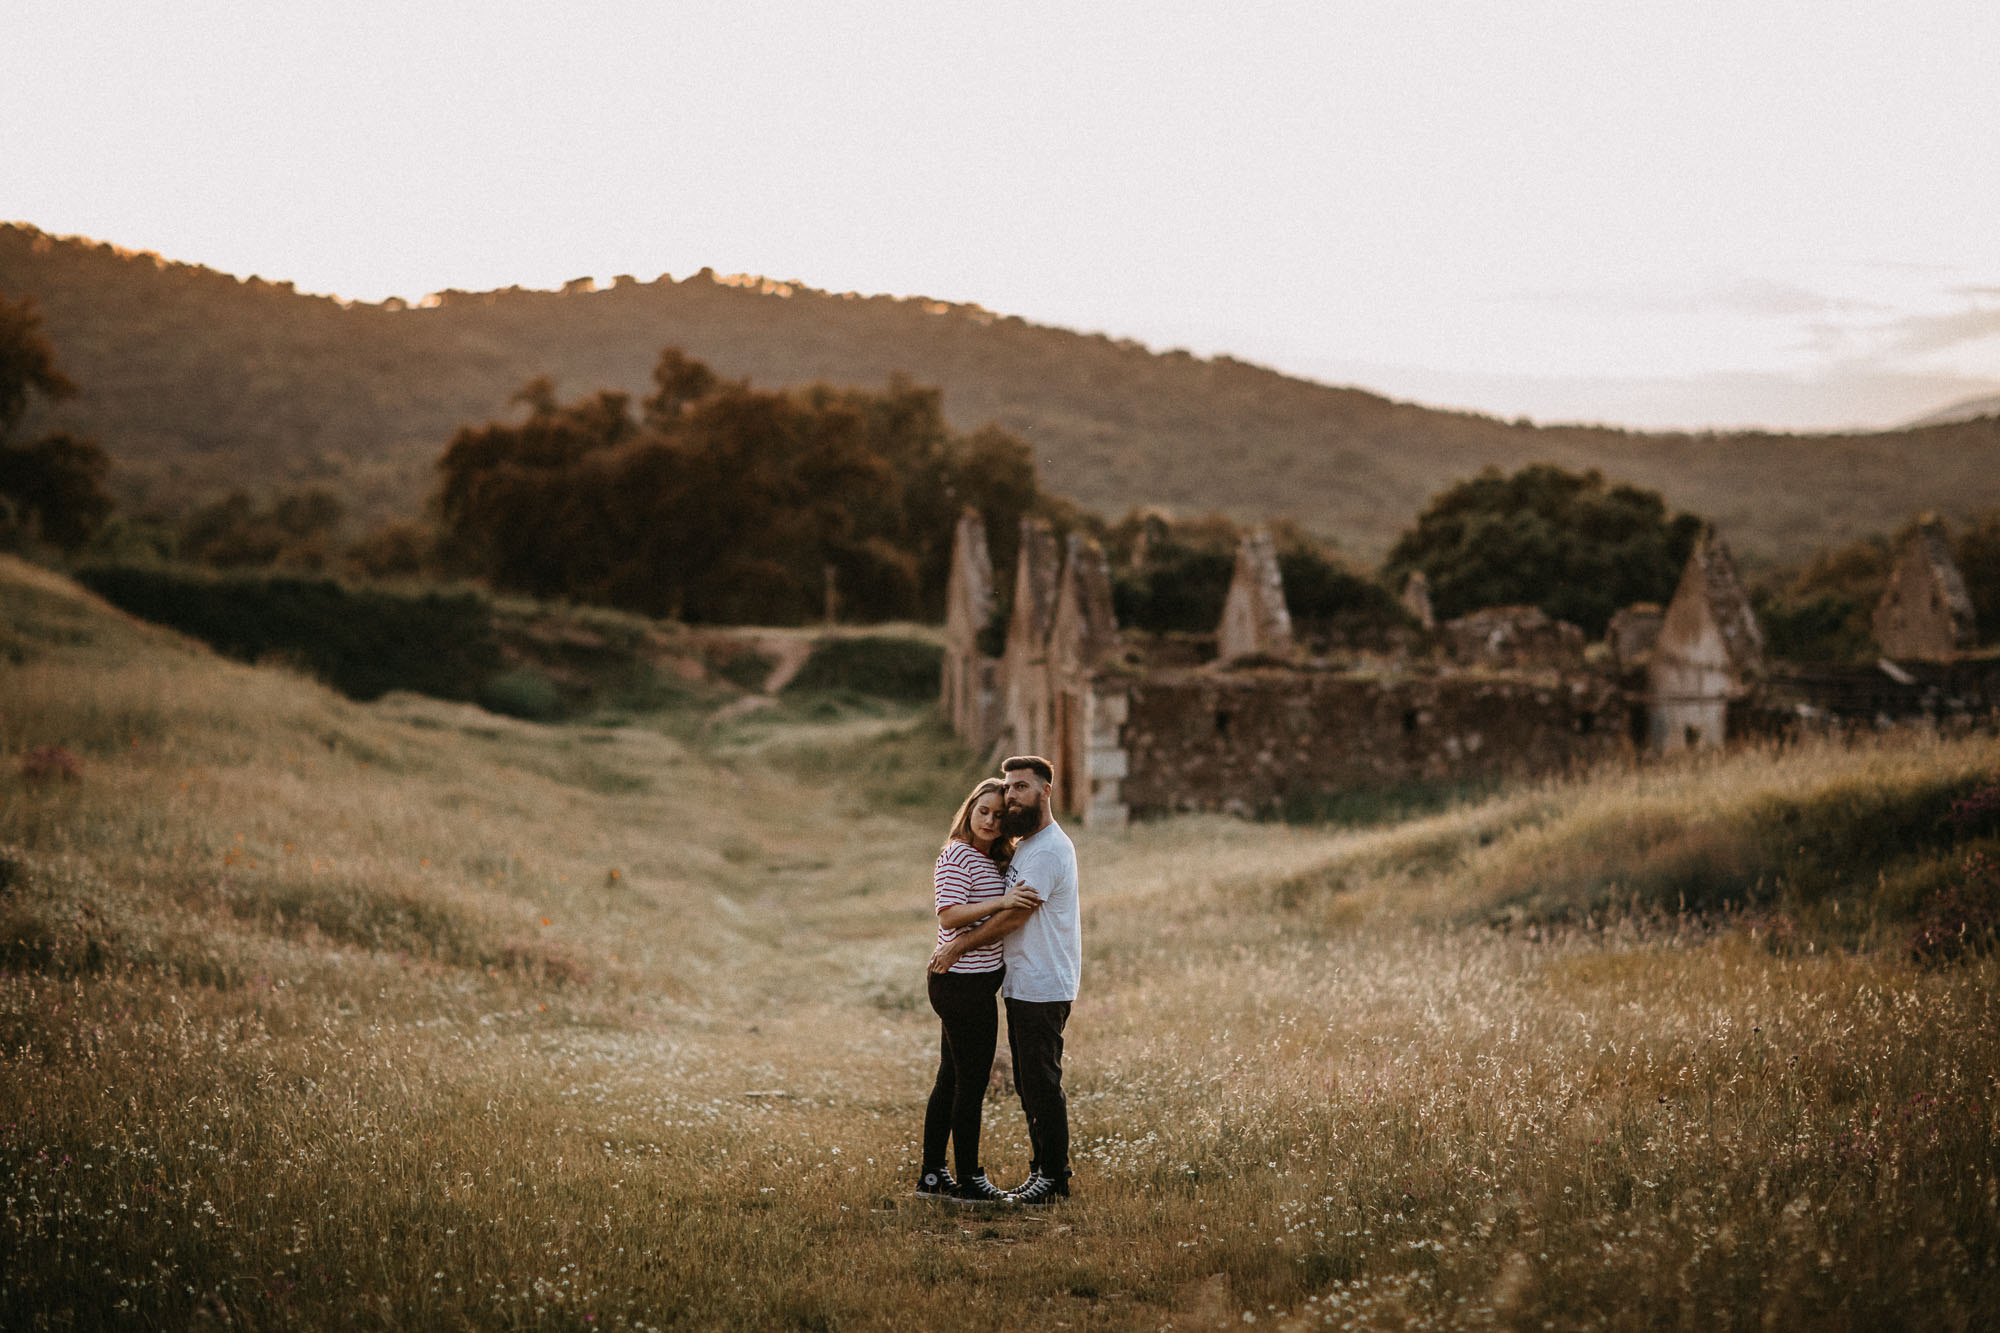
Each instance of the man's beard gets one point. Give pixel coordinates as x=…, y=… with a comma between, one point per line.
x=1018, y=821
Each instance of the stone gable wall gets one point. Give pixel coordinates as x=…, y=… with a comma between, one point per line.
x=970, y=678
x=1925, y=613
x=1255, y=619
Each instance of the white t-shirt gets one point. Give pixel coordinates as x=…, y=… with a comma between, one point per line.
x=1045, y=956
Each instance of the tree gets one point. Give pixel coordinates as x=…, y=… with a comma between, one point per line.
x=295, y=531
x=1173, y=575
x=57, y=483
x=1327, y=598
x=724, y=503
x=1546, y=537
x=27, y=364
x=52, y=487
x=1978, y=556
x=1824, y=610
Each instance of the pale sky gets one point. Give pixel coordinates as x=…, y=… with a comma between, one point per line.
x=1661, y=213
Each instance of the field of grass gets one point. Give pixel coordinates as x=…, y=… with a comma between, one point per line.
x=316, y=1013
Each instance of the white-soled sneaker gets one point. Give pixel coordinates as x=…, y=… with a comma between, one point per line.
x=936, y=1183
x=1039, y=1191
x=976, y=1188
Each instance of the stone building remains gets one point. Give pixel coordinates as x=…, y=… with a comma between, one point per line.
x=1255, y=619
x=971, y=678
x=1511, y=637
x=1257, y=721
x=1925, y=613
x=1708, y=654
x=1632, y=633
x=1416, y=599
x=1141, y=726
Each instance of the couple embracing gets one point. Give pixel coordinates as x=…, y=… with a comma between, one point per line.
x=1008, y=926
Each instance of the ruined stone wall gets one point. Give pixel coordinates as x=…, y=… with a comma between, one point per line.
x=1512, y=638
x=1242, y=741
x=969, y=695
x=1026, y=719
x=1255, y=620
x=1925, y=613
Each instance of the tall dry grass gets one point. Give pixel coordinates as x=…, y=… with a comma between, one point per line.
x=317, y=1014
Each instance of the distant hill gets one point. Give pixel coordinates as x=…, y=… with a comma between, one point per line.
x=197, y=382
x=1985, y=405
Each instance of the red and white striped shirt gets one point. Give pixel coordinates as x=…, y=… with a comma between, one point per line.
x=967, y=875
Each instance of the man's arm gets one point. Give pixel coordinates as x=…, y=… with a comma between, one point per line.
x=1004, y=922
x=966, y=914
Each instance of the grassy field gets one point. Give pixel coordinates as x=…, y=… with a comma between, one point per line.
x=320, y=1014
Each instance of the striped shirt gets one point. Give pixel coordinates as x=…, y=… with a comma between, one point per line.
x=968, y=875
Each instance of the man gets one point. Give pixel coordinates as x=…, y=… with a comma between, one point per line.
x=1044, y=951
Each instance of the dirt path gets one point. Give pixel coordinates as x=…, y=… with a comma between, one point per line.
x=787, y=654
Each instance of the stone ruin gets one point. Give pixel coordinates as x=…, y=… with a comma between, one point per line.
x=1707, y=655
x=1416, y=599
x=971, y=679
x=1632, y=633
x=1141, y=725
x=1255, y=619
x=1925, y=613
x=1512, y=638
x=1142, y=728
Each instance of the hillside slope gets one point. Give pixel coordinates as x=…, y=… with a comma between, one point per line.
x=315, y=1013
x=196, y=382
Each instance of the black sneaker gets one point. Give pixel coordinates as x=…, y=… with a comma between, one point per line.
x=976, y=1188
x=936, y=1183
x=1039, y=1191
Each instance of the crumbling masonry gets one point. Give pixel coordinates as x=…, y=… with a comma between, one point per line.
x=1250, y=723
x=1252, y=729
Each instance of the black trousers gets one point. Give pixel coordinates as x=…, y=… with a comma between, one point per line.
x=1035, y=1040
x=964, y=1000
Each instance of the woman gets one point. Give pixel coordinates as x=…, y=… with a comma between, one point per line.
x=970, y=884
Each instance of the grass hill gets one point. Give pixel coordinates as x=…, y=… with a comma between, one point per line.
x=197, y=382
x=400, y=1014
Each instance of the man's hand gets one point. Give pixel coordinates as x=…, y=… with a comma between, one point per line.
x=945, y=955
x=1022, y=896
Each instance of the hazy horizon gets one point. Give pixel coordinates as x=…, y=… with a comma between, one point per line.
x=1693, y=216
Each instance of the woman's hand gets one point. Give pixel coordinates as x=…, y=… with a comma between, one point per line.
x=1022, y=896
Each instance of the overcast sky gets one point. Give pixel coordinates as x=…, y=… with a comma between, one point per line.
x=1661, y=213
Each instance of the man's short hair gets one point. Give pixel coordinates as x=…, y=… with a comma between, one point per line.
x=1034, y=763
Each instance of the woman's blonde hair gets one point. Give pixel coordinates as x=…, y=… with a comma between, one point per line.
x=961, y=824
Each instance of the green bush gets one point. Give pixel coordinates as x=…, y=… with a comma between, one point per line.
x=362, y=642
x=1822, y=627
x=746, y=670
x=1181, y=588
x=876, y=664
x=523, y=693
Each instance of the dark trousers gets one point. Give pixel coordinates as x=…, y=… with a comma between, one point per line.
x=964, y=1000
x=1035, y=1040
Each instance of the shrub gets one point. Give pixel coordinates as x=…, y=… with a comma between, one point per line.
x=746, y=669
x=1963, y=917
x=363, y=642
x=524, y=693
x=1978, y=813
x=50, y=761
x=1180, y=588
x=875, y=664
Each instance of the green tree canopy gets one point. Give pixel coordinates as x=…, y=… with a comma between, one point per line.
x=1546, y=537
x=52, y=487
x=1978, y=555
x=722, y=503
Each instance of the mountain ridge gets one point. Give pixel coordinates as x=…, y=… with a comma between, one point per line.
x=197, y=382
x=1965, y=409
